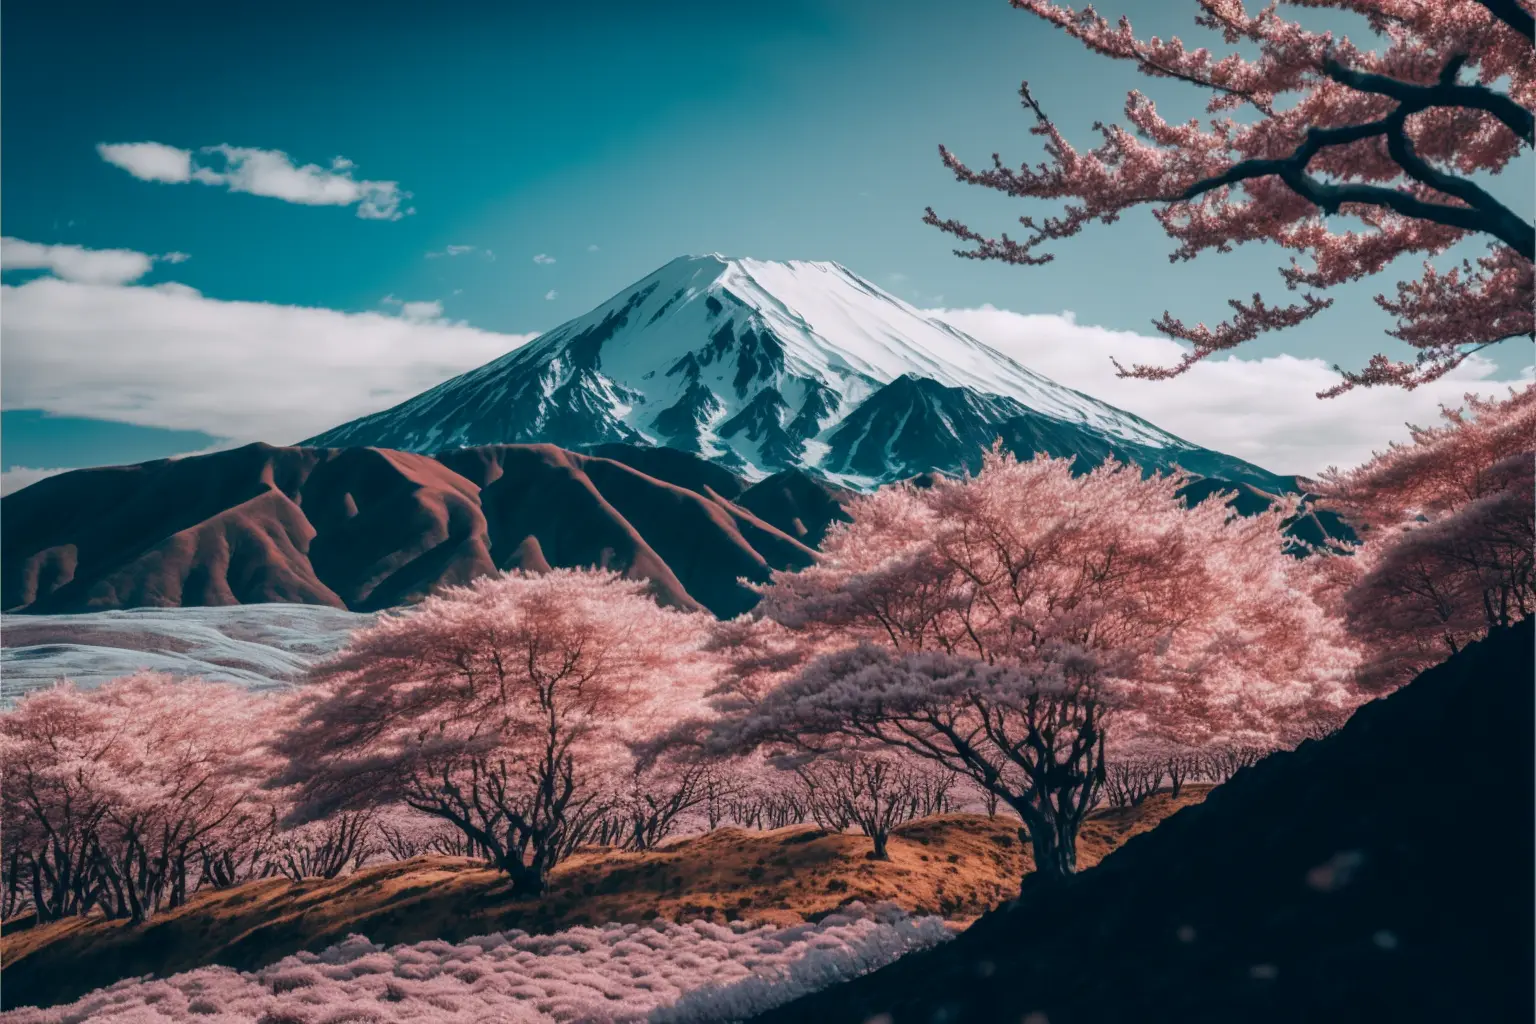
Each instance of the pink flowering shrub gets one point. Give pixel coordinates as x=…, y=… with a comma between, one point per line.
x=673, y=973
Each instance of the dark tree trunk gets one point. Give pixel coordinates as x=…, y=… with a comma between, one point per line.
x=527, y=881
x=1054, y=846
x=39, y=900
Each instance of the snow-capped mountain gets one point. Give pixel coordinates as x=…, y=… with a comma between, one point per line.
x=762, y=366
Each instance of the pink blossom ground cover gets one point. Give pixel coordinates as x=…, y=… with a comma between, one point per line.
x=662, y=972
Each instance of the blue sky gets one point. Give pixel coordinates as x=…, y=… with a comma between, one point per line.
x=605, y=137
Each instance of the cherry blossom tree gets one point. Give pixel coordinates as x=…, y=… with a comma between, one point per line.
x=875, y=790
x=405, y=833
x=1222, y=761
x=720, y=787
x=750, y=790
x=1183, y=765
x=1129, y=780
x=658, y=799
x=329, y=847
x=1140, y=769
x=244, y=848
x=1448, y=525
x=115, y=799
x=768, y=806
x=1309, y=132
x=1015, y=627
x=52, y=749
x=930, y=790
x=504, y=708
x=989, y=800
x=746, y=791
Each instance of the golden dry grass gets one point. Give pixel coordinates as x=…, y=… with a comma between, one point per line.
x=956, y=865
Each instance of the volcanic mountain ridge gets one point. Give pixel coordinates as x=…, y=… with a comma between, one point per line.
x=761, y=366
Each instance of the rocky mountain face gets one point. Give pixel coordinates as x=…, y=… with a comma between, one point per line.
x=760, y=367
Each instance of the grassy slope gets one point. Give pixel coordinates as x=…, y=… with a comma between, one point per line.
x=958, y=865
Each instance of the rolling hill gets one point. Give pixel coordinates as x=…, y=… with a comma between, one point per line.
x=366, y=529
x=955, y=865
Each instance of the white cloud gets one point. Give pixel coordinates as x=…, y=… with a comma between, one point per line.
x=261, y=172
x=592, y=248
x=551, y=295
x=17, y=477
x=426, y=309
x=544, y=258
x=1263, y=410
x=77, y=263
x=246, y=371
x=432, y=310
x=149, y=161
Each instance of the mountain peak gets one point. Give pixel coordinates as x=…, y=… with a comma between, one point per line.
x=754, y=364
x=715, y=263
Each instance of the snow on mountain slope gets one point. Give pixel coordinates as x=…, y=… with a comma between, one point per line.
x=753, y=364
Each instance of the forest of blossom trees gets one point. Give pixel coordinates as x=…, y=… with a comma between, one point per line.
x=1031, y=640
x=1028, y=641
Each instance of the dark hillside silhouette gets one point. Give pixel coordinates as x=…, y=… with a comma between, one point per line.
x=1382, y=874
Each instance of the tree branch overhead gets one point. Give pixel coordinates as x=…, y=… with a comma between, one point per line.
x=1393, y=137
